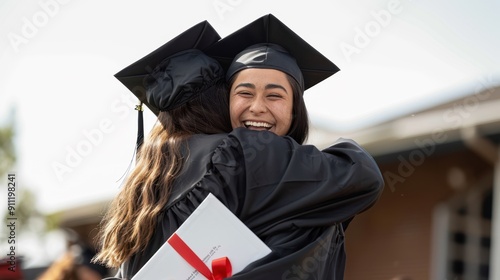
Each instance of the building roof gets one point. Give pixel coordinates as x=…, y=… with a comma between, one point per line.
x=463, y=121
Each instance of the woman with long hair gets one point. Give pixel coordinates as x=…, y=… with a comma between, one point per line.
x=293, y=197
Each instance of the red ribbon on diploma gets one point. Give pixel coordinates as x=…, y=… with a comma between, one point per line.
x=221, y=267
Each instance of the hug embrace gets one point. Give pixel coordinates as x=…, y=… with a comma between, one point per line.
x=232, y=122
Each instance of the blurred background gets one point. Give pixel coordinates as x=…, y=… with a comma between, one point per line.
x=418, y=88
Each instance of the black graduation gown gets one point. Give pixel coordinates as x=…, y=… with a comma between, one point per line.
x=297, y=199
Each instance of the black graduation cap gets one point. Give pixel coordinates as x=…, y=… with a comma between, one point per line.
x=134, y=77
x=254, y=46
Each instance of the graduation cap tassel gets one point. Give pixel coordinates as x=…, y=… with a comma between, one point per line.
x=140, y=126
x=140, y=135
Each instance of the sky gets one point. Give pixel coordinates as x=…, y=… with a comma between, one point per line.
x=76, y=124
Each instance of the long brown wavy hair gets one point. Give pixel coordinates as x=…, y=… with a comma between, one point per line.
x=132, y=216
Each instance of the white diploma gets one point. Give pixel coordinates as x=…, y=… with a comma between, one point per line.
x=211, y=232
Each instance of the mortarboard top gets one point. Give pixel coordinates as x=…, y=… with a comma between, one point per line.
x=180, y=77
x=314, y=66
x=200, y=36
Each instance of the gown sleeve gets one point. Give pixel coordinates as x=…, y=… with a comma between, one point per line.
x=284, y=184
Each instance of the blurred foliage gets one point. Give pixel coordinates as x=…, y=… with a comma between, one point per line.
x=29, y=218
x=7, y=152
x=52, y=221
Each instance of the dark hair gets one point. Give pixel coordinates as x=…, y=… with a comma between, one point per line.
x=206, y=113
x=299, y=127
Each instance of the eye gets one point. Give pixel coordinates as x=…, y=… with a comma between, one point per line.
x=244, y=93
x=274, y=95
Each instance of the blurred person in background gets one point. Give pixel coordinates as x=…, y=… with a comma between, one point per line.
x=75, y=263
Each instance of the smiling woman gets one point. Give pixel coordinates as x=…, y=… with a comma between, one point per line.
x=268, y=69
x=277, y=86
x=261, y=99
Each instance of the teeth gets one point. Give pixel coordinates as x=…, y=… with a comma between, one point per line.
x=257, y=124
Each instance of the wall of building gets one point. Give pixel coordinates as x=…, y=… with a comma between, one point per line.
x=393, y=238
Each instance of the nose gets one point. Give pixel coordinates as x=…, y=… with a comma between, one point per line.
x=258, y=106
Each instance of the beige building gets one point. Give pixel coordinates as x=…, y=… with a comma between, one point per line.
x=438, y=217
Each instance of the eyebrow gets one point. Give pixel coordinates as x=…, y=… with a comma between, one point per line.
x=273, y=86
x=248, y=85
x=268, y=86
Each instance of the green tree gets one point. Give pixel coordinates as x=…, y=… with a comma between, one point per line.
x=7, y=152
x=28, y=216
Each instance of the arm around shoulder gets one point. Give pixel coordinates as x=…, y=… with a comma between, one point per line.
x=363, y=176
x=283, y=179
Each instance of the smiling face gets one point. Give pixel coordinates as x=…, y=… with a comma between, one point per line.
x=261, y=99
